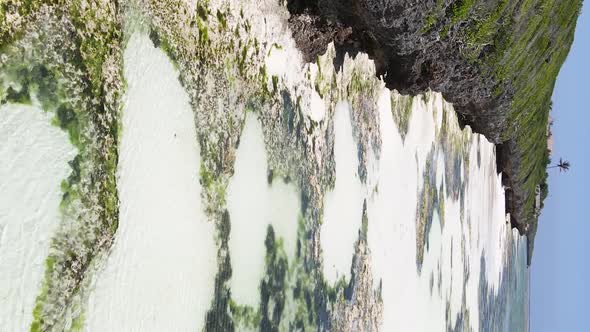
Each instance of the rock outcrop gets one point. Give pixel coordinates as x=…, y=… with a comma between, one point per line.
x=496, y=61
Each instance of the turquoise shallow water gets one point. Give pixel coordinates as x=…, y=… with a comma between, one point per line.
x=507, y=309
x=519, y=289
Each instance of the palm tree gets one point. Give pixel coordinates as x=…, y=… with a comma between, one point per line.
x=563, y=165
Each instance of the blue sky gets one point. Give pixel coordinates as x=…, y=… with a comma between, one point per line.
x=560, y=267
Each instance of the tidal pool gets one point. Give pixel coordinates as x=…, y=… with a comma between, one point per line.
x=253, y=205
x=34, y=156
x=343, y=208
x=160, y=273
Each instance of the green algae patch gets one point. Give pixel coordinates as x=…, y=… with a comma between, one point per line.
x=73, y=72
x=401, y=110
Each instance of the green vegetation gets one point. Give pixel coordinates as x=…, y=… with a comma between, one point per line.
x=520, y=46
x=35, y=79
x=460, y=10
x=430, y=22
x=18, y=97
x=73, y=72
x=10, y=32
x=244, y=316
x=401, y=110
x=433, y=17
x=530, y=61
x=563, y=165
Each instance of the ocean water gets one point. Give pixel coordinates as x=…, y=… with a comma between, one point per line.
x=254, y=204
x=507, y=309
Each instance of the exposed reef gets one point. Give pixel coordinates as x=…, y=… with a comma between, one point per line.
x=361, y=309
x=221, y=57
x=496, y=61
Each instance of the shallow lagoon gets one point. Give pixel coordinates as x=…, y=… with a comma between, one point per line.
x=34, y=156
x=254, y=204
x=343, y=208
x=160, y=273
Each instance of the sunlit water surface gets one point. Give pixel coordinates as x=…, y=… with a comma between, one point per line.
x=34, y=156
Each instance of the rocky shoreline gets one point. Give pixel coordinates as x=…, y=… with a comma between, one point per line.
x=484, y=57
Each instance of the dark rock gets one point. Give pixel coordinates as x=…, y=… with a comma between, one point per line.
x=464, y=49
x=392, y=33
